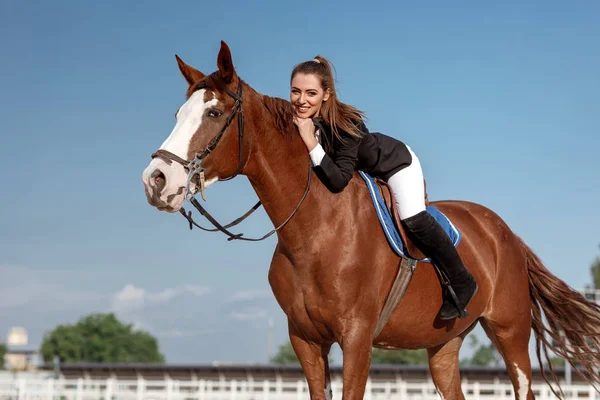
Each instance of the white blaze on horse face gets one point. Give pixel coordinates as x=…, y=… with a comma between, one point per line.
x=189, y=119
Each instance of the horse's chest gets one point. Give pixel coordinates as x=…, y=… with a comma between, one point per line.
x=307, y=294
x=311, y=313
x=312, y=308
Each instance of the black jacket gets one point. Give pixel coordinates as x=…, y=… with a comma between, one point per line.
x=374, y=153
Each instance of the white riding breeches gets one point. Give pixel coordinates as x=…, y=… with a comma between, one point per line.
x=409, y=188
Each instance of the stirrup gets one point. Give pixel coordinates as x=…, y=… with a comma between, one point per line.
x=462, y=311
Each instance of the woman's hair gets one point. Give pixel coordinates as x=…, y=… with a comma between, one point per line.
x=338, y=115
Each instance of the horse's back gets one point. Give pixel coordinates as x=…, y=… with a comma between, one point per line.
x=473, y=217
x=489, y=248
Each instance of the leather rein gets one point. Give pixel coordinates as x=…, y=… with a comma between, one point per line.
x=196, y=174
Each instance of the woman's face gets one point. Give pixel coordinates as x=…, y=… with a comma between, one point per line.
x=307, y=95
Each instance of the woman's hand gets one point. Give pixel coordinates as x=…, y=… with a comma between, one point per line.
x=306, y=126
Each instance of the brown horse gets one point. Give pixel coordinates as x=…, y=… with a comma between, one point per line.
x=333, y=268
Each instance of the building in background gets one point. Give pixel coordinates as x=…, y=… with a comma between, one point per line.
x=592, y=295
x=19, y=357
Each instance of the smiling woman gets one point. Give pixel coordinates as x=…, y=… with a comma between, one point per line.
x=307, y=95
x=313, y=95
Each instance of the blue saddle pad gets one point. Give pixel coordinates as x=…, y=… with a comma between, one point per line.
x=389, y=227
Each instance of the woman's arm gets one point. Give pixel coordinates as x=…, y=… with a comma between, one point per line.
x=335, y=172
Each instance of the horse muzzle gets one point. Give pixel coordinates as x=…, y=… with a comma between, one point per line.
x=164, y=185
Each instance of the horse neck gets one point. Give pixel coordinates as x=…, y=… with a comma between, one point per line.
x=278, y=170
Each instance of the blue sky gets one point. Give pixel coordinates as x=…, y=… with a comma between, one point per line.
x=499, y=101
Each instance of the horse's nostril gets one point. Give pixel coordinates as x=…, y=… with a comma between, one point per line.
x=159, y=180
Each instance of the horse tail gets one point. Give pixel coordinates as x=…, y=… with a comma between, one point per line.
x=572, y=323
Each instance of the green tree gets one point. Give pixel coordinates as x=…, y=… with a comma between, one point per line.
x=483, y=355
x=557, y=362
x=595, y=269
x=3, y=350
x=285, y=355
x=405, y=357
x=100, y=338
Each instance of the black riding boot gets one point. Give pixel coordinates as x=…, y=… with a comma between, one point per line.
x=427, y=234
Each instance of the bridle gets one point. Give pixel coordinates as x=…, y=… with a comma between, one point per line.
x=196, y=173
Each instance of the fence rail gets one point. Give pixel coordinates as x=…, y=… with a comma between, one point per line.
x=113, y=389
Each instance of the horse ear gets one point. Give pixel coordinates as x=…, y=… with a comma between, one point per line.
x=225, y=63
x=190, y=74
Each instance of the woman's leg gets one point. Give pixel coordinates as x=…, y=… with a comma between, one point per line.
x=430, y=238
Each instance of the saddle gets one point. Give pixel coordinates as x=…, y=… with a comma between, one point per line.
x=383, y=199
x=387, y=194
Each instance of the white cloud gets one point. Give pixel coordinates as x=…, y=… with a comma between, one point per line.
x=168, y=294
x=129, y=298
x=249, y=295
x=249, y=315
x=132, y=298
x=196, y=290
x=163, y=296
x=184, y=333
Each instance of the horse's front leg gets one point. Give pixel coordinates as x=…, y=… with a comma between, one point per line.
x=313, y=358
x=357, y=347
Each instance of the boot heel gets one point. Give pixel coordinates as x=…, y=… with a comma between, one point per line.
x=464, y=314
x=451, y=310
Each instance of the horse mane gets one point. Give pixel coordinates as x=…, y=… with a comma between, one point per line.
x=283, y=113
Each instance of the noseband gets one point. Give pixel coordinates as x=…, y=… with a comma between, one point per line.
x=196, y=173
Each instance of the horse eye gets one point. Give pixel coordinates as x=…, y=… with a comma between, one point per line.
x=214, y=113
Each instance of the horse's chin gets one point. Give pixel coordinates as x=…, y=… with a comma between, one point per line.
x=161, y=205
x=169, y=209
x=174, y=206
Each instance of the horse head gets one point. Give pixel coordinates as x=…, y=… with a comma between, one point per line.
x=206, y=145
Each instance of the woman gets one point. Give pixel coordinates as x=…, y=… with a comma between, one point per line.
x=339, y=143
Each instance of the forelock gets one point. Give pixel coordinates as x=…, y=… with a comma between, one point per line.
x=212, y=82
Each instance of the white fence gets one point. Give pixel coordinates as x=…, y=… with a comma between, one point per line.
x=112, y=389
